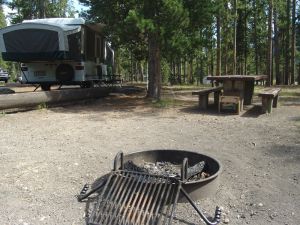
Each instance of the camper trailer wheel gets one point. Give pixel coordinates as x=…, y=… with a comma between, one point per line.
x=87, y=84
x=64, y=72
x=45, y=87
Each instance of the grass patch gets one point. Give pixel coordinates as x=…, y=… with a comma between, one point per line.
x=185, y=87
x=292, y=91
x=165, y=103
x=42, y=106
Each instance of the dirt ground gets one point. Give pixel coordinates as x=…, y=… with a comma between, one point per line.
x=47, y=155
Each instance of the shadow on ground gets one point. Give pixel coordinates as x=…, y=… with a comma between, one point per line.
x=253, y=111
x=289, y=153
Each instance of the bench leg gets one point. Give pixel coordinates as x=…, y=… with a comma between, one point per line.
x=217, y=98
x=267, y=104
x=238, y=107
x=219, y=105
x=203, y=101
x=275, y=101
x=241, y=104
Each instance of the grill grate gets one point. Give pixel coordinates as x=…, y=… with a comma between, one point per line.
x=139, y=198
x=131, y=198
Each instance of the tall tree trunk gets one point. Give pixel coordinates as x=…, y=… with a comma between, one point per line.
x=293, y=54
x=131, y=67
x=191, y=81
x=225, y=66
x=179, y=71
x=212, y=62
x=218, y=70
x=287, y=44
x=42, y=7
x=283, y=37
x=270, y=52
x=201, y=71
x=141, y=71
x=245, y=42
x=154, y=88
x=184, y=70
x=255, y=36
x=276, y=48
x=234, y=38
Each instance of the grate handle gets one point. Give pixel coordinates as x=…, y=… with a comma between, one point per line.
x=119, y=161
x=184, y=169
x=218, y=211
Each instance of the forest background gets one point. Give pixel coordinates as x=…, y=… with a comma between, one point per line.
x=182, y=41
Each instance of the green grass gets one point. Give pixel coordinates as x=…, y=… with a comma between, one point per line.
x=292, y=91
x=165, y=103
x=186, y=87
x=42, y=106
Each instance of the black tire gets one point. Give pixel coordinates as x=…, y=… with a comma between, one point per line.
x=87, y=84
x=6, y=81
x=46, y=87
x=64, y=72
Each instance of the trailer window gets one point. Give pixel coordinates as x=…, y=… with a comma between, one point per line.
x=74, y=41
x=31, y=40
x=90, y=44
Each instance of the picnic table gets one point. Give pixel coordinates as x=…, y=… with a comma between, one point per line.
x=244, y=84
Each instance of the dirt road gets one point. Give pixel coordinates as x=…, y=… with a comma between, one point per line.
x=47, y=156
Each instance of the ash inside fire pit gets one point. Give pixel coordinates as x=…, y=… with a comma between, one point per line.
x=168, y=169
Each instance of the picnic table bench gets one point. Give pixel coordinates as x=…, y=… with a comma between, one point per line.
x=232, y=97
x=203, y=96
x=269, y=99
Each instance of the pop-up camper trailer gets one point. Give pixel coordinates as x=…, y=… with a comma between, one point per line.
x=58, y=51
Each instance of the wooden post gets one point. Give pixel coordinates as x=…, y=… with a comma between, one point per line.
x=267, y=104
x=203, y=101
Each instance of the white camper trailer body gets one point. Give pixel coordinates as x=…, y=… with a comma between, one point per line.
x=58, y=51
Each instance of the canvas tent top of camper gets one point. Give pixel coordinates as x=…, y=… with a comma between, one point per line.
x=45, y=39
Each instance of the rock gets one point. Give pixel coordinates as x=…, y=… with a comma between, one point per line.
x=260, y=204
x=226, y=220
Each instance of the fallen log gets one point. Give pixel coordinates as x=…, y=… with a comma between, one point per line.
x=21, y=100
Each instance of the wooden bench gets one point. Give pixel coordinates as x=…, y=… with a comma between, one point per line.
x=232, y=97
x=269, y=99
x=203, y=96
x=230, y=100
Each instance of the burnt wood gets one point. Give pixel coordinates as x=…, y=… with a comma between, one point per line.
x=195, y=170
x=269, y=99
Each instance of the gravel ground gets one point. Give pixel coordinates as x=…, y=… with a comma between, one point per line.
x=47, y=155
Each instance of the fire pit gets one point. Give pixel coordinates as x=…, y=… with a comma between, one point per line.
x=144, y=187
x=198, y=189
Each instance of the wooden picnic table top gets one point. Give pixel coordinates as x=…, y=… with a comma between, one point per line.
x=238, y=77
